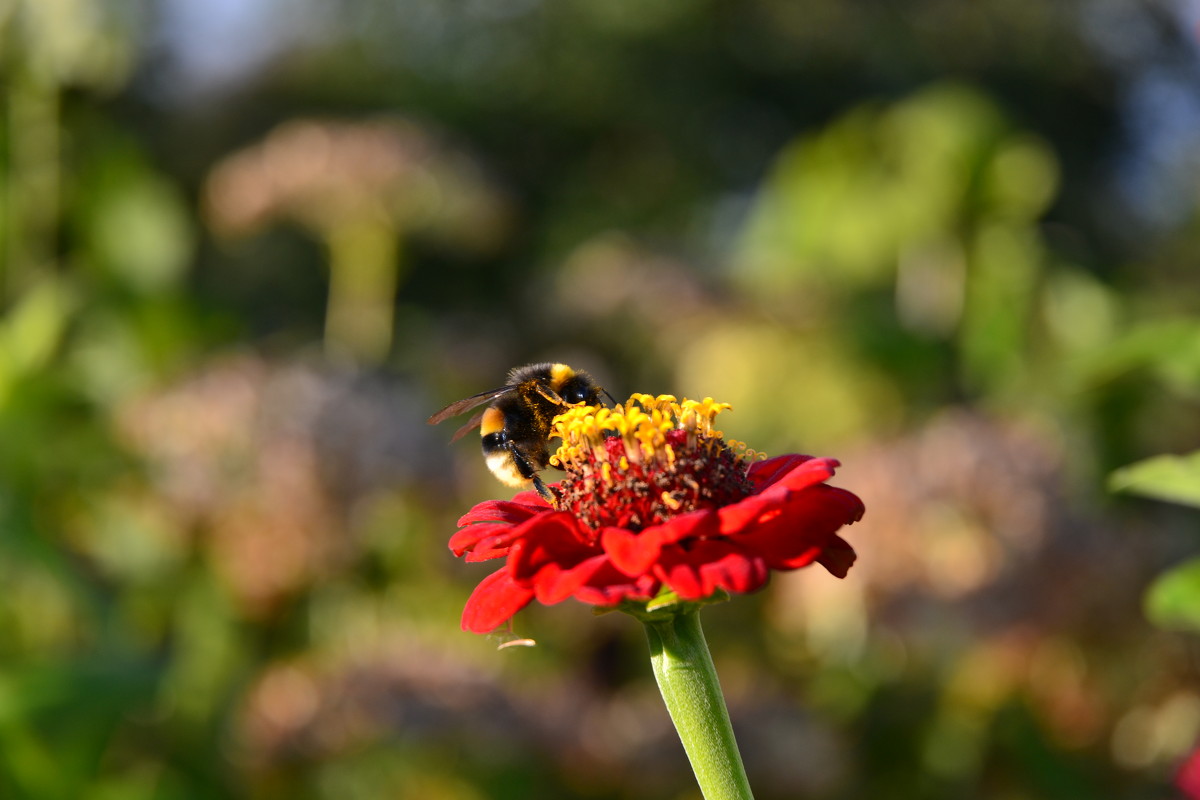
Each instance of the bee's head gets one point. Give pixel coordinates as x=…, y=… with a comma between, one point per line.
x=577, y=387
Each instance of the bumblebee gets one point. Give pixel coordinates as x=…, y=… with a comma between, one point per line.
x=516, y=425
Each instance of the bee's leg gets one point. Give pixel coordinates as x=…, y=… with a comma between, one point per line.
x=550, y=395
x=545, y=492
x=529, y=472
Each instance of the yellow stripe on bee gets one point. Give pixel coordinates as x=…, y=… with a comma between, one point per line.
x=560, y=374
x=492, y=422
x=505, y=470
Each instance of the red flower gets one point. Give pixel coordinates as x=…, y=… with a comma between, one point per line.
x=652, y=503
x=1188, y=777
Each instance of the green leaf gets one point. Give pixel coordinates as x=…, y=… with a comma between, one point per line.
x=1168, y=348
x=1172, y=478
x=32, y=330
x=1173, y=600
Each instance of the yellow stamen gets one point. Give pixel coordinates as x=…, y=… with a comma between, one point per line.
x=642, y=422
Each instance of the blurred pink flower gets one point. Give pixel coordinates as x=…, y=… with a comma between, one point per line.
x=1188, y=777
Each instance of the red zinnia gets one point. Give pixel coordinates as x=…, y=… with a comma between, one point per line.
x=654, y=500
x=1188, y=777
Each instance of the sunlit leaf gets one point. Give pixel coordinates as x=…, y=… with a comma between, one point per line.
x=1022, y=178
x=1173, y=601
x=141, y=231
x=31, y=331
x=1167, y=477
x=1168, y=347
x=1005, y=261
x=840, y=204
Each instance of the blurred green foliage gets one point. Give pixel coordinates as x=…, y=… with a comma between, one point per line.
x=1174, y=478
x=246, y=248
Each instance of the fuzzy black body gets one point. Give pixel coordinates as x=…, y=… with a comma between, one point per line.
x=516, y=426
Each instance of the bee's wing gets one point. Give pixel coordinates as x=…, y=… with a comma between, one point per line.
x=467, y=403
x=471, y=425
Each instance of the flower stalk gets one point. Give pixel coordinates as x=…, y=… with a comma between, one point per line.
x=688, y=681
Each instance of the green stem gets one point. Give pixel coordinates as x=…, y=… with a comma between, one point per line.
x=688, y=682
x=363, y=273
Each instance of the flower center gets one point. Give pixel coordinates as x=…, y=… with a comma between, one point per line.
x=646, y=461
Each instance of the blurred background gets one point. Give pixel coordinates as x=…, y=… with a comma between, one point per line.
x=248, y=246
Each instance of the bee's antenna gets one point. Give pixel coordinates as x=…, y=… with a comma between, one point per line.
x=608, y=394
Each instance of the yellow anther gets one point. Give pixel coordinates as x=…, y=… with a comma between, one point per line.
x=643, y=422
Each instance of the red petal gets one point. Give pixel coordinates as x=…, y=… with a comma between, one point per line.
x=555, y=583
x=825, y=505
x=764, y=473
x=608, y=586
x=745, y=513
x=493, y=602
x=705, y=566
x=837, y=557
x=487, y=550
x=630, y=552
x=635, y=552
x=804, y=528
x=494, y=539
x=782, y=477
x=736, y=572
x=552, y=538
x=1188, y=777
x=471, y=537
x=693, y=525
x=804, y=474
x=799, y=557
x=509, y=511
x=808, y=473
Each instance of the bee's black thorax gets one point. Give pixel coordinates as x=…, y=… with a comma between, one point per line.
x=516, y=428
x=527, y=416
